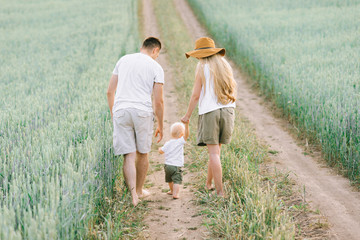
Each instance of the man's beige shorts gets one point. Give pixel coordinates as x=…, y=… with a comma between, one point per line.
x=216, y=127
x=133, y=131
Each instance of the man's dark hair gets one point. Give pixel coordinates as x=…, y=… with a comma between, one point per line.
x=151, y=43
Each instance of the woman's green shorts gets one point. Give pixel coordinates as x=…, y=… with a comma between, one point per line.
x=216, y=127
x=173, y=174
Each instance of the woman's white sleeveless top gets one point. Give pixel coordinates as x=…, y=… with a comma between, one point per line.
x=208, y=100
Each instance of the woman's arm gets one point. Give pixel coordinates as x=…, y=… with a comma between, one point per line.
x=194, y=98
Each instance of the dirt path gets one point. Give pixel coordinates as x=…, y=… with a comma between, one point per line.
x=329, y=193
x=168, y=218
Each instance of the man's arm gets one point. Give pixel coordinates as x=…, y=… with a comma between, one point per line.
x=186, y=130
x=111, y=92
x=159, y=109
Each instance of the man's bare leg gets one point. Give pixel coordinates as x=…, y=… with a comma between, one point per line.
x=142, y=165
x=130, y=175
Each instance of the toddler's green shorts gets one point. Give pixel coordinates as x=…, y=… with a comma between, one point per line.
x=173, y=174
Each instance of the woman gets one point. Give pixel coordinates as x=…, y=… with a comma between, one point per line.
x=215, y=91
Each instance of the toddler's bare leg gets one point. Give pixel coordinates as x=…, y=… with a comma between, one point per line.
x=171, y=184
x=176, y=189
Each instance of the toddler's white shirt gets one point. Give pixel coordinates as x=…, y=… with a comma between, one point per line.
x=174, y=152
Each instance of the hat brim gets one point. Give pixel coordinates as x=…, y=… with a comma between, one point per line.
x=202, y=53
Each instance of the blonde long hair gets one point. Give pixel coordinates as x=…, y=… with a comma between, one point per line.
x=224, y=83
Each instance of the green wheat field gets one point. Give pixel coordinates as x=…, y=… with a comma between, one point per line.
x=55, y=133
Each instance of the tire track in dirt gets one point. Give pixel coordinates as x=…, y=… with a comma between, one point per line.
x=168, y=218
x=326, y=191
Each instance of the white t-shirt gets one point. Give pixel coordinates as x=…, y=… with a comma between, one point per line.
x=208, y=101
x=137, y=74
x=174, y=152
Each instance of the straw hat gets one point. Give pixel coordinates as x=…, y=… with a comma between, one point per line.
x=204, y=47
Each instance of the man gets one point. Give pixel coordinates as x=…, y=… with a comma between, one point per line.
x=134, y=79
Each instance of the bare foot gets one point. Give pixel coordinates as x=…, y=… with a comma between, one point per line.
x=221, y=195
x=135, y=200
x=176, y=197
x=144, y=193
x=215, y=194
x=210, y=187
x=169, y=192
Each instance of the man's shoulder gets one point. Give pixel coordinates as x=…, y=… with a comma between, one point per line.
x=154, y=63
x=129, y=56
x=142, y=60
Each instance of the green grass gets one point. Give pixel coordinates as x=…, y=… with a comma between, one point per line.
x=57, y=166
x=304, y=55
x=251, y=209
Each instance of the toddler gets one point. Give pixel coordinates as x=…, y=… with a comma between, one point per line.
x=174, y=156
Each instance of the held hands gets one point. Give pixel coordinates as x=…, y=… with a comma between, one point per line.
x=185, y=119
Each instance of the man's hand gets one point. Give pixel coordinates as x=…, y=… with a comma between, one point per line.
x=159, y=131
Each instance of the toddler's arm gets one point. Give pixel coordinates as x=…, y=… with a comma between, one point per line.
x=161, y=151
x=186, y=130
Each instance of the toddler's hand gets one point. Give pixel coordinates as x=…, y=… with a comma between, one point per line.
x=161, y=151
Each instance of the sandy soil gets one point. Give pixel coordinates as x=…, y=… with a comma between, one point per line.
x=168, y=218
x=324, y=190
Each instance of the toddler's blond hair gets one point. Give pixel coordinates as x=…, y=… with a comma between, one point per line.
x=176, y=129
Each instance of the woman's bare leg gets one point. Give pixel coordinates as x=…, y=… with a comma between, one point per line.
x=209, y=177
x=215, y=167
